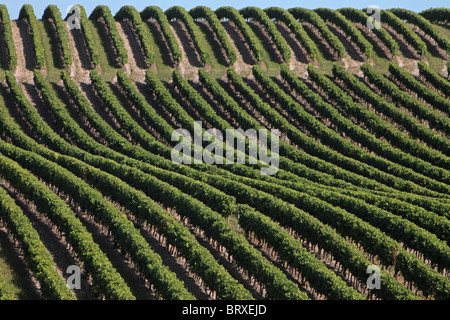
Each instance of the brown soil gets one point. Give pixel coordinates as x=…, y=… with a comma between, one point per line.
x=76, y=39
x=186, y=43
x=298, y=53
x=137, y=64
x=245, y=55
x=432, y=45
x=190, y=60
x=24, y=48
x=81, y=61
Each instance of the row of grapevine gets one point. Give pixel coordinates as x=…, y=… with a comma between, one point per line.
x=398, y=139
x=261, y=16
x=53, y=286
x=339, y=166
x=27, y=13
x=293, y=162
x=52, y=12
x=153, y=12
x=232, y=14
x=109, y=101
x=200, y=259
x=435, y=284
x=434, y=78
x=436, y=14
x=434, y=99
x=131, y=14
x=103, y=12
x=10, y=48
x=414, y=127
x=241, y=252
x=105, y=278
x=164, y=98
x=180, y=13
x=138, y=100
x=250, y=259
x=148, y=262
x=292, y=252
x=295, y=27
x=339, y=20
x=403, y=29
x=313, y=18
x=399, y=97
x=359, y=16
x=332, y=138
x=210, y=116
x=216, y=26
x=125, y=234
x=425, y=25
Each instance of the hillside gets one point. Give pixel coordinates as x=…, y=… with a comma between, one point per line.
x=88, y=117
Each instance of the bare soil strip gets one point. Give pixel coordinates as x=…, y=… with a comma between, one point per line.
x=299, y=53
x=245, y=57
x=81, y=61
x=26, y=61
x=76, y=39
x=186, y=44
x=137, y=64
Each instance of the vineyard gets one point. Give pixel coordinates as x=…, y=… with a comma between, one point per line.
x=87, y=115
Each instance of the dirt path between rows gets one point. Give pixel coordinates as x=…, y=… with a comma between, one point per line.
x=79, y=70
x=135, y=68
x=24, y=49
x=190, y=61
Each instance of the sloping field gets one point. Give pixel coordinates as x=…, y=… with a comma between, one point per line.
x=360, y=163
